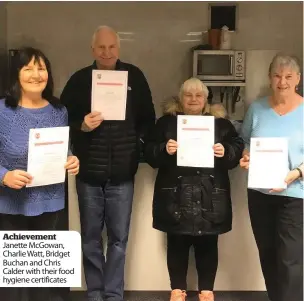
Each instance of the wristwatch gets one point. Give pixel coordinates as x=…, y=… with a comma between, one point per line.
x=300, y=171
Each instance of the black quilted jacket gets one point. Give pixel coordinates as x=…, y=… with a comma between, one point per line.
x=192, y=201
x=112, y=150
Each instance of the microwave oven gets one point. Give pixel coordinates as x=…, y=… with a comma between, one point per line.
x=219, y=65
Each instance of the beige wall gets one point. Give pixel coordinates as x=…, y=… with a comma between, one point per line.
x=158, y=47
x=63, y=30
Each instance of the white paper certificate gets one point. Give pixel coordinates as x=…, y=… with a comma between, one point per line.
x=195, y=139
x=47, y=155
x=268, y=165
x=109, y=93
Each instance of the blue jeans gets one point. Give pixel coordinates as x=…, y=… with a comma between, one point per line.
x=109, y=204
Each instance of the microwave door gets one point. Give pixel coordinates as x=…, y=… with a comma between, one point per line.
x=215, y=67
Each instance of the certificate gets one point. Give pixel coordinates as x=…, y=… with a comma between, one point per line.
x=109, y=93
x=47, y=155
x=195, y=139
x=268, y=165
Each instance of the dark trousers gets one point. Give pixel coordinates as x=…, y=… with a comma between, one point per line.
x=206, y=258
x=109, y=204
x=277, y=223
x=43, y=222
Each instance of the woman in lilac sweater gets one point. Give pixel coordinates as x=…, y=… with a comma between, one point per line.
x=29, y=103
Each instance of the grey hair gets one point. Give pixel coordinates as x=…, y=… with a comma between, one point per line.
x=101, y=27
x=193, y=83
x=284, y=60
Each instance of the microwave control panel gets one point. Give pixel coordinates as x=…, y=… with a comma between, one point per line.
x=240, y=64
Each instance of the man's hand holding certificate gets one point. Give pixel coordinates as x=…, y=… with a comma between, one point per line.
x=91, y=121
x=195, y=138
x=47, y=155
x=109, y=93
x=268, y=165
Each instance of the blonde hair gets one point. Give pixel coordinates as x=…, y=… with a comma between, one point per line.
x=105, y=27
x=216, y=110
x=193, y=83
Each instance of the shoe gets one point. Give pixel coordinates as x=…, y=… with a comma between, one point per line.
x=206, y=296
x=178, y=295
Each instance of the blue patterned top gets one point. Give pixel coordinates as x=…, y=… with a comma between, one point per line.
x=15, y=125
x=262, y=121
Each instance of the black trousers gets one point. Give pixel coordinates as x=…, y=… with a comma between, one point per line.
x=206, y=258
x=277, y=224
x=44, y=222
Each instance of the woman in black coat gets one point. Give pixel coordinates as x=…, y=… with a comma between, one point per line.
x=192, y=205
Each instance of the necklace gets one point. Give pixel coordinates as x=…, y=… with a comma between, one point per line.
x=286, y=109
x=282, y=112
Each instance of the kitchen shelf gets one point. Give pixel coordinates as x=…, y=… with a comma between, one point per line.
x=224, y=84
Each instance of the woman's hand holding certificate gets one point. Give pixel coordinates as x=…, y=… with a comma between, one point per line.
x=16, y=179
